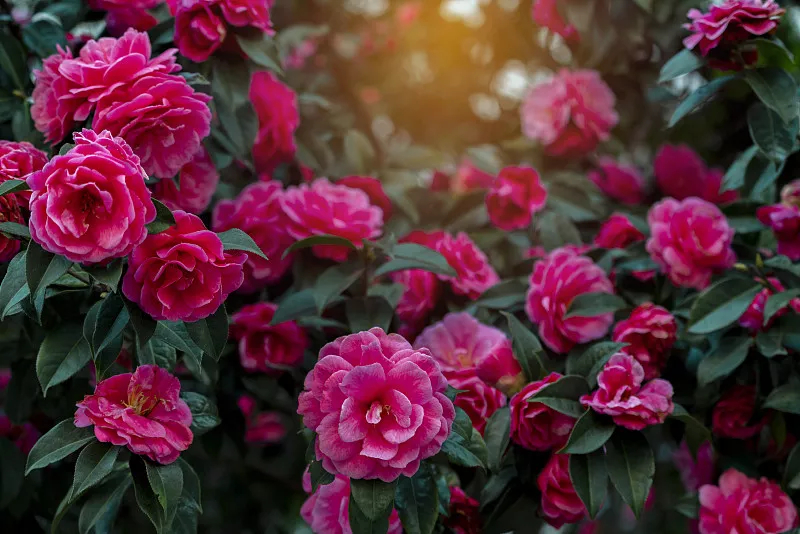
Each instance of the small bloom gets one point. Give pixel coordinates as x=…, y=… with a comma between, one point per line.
x=514, y=197
x=733, y=414
x=265, y=347
x=141, y=410
x=535, y=426
x=753, y=317
x=9, y=212
x=464, y=515
x=275, y=105
x=183, y=273
x=253, y=13
x=377, y=406
x=374, y=190
x=419, y=298
x=199, y=27
x=570, y=114
x=790, y=194
x=197, y=182
x=695, y=471
x=621, y=394
x=264, y=428
x=681, y=173
x=690, y=240
x=18, y=160
x=554, y=283
x=785, y=223
x=477, y=399
x=119, y=20
x=55, y=110
x=545, y=13
x=23, y=436
x=650, y=331
x=468, y=177
x=620, y=182
x=560, y=502
x=617, y=232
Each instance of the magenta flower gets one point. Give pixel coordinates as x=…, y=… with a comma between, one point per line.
x=650, y=331
x=264, y=347
x=275, y=104
x=753, y=317
x=17, y=162
x=514, y=197
x=681, y=173
x=617, y=232
x=23, y=436
x=733, y=414
x=545, y=13
x=421, y=293
x=560, y=503
x=9, y=212
x=535, y=426
x=620, y=182
x=785, y=223
x=197, y=182
x=478, y=400
x=265, y=428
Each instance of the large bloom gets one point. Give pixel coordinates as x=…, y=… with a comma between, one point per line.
x=621, y=394
x=554, y=283
x=690, y=240
x=681, y=173
x=745, y=505
x=419, y=298
x=617, y=232
x=327, y=510
x=785, y=223
x=91, y=204
x=183, y=273
x=733, y=414
x=9, y=212
x=275, y=104
x=377, y=406
x=560, y=502
x=650, y=331
x=753, y=317
x=514, y=197
x=535, y=426
x=18, y=160
x=257, y=211
x=621, y=182
x=477, y=399
x=324, y=208
x=464, y=516
x=264, y=347
x=141, y=410
x=570, y=114
x=197, y=182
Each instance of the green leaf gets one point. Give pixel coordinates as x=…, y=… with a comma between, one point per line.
x=365, y=312
x=319, y=476
x=776, y=302
x=735, y=177
x=106, y=274
x=361, y=524
x=413, y=256
x=13, y=60
x=698, y=97
x=42, y=36
x=791, y=475
x=191, y=484
x=590, y=433
x=235, y=239
x=688, y=506
x=773, y=137
x=12, y=472
x=143, y=325
x=592, y=304
x=359, y=152
x=556, y=230
x=146, y=497
x=590, y=479
x=13, y=186
x=507, y=294
x=334, y=281
x=166, y=481
x=681, y=63
x=61, y=441
x=163, y=221
x=696, y=432
x=174, y=334
x=727, y=357
x=211, y=333
x=497, y=435
x=417, y=501
x=95, y=463
x=460, y=450
x=721, y=304
x=591, y=361
x=43, y=268
x=374, y=498
x=204, y=412
x=103, y=505
x=527, y=348
x=319, y=240
x=261, y=50
x=15, y=229
x=570, y=387
x=770, y=342
x=776, y=88
x=63, y=353
x=785, y=399
x=14, y=282
x=112, y=318
x=631, y=467
x=295, y=306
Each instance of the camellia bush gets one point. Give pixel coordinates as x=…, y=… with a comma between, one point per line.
x=366, y=267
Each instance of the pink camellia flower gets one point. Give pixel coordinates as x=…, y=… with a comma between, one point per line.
x=650, y=331
x=621, y=182
x=264, y=428
x=695, y=471
x=554, y=283
x=275, y=105
x=621, y=394
x=199, y=27
x=745, y=505
x=733, y=414
x=377, y=406
x=183, y=273
x=464, y=515
x=118, y=21
x=18, y=160
x=374, y=190
x=681, y=173
x=141, y=410
x=91, y=204
x=323, y=208
x=468, y=177
x=790, y=193
x=690, y=240
x=560, y=502
x=785, y=223
x=24, y=436
x=257, y=211
x=570, y=114
x=535, y=426
x=477, y=399
x=9, y=212
x=197, y=182
x=327, y=510
x=617, y=232
x=253, y=13
x=545, y=13
x=514, y=197
x=753, y=317
x=727, y=25
x=55, y=110
x=421, y=293
x=265, y=347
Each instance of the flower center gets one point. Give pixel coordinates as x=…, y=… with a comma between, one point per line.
x=377, y=411
x=142, y=404
x=87, y=202
x=462, y=357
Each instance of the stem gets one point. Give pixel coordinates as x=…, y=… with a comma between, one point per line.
x=75, y=275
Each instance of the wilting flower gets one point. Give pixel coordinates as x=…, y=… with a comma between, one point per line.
x=570, y=114
x=275, y=105
x=753, y=317
x=621, y=394
x=183, y=273
x=620, y=182
x=650, y=331
x=733, y=414
x=746, y=505
x=681, y=173
x=545, y=13
x=785, y=223
x=18, y=160
x=514, y=197
x=9, y=212
x=265, y=428
x=560, y=502
x=554, y=284
x=141, y=410
x=91, y=204
x=535, y=426
x=197, y=182
x=263, y=346
x=377, y=406
x=617, y=232
x=690, y=240
x=464, y=515
x=476, y=398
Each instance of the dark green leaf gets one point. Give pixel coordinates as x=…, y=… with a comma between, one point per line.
x=174, y=333
x=417, y=501
x=777, y=302
x=43, y=268
x=42, y=36
x=507, y=294
x=191, y=484
x=359, y=152
x=12, y=471
x=295, y=306
x=102, y=506
x=568, y=407
x=63, y=353
x=688, y=506
x=361, y=524
x=696, y=432
x=590, y=479
x=773, y=137
x=698, y=97
x=13, y=186
x=146, y=497
x=13, y=60
x=570, y=387
x=106, y=274
x=365, y=312
x=413, y=256
x=785, y=399
x=556, y=230
x=319, y=240
x=334, y=281
x=592, y=360
x=722, y=304
x=112, y=318
x=319, y=477
x=211, y=333
x=497, y=435
x=727, y=357
x=631, y=467
x=791, y=475
x=592, y=304
x=95, y=463
x=772, y=49
x=457, y=450
x=62, y=440
x=261, y=50
x=735, y=177
x=235, y=239
x=204, y=412
x=15, y=229
x=776, y=88
x=770, y=342
x=374, y=498
x=590, y=433
x=681, y=63
x=166, y=481
x=527, y=348
x=164, y=219
x=14, y=282
x=143, y=325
